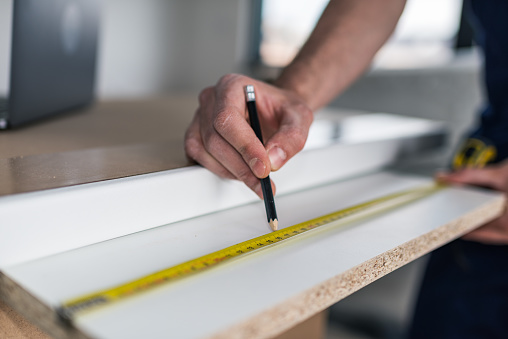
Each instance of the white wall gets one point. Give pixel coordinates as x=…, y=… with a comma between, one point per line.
x=148, y=47
x=155, y=46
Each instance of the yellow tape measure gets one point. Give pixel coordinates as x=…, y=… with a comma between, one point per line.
x=69, y=308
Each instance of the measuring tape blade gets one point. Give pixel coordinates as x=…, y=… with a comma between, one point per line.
x=68, y=309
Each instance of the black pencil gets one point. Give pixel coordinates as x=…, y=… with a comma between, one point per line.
x=266, y=186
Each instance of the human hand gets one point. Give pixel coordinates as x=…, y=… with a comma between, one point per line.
x=495, y=177
x=221, y=139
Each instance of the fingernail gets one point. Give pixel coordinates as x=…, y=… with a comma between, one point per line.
x=257, y=167
x=277, y=157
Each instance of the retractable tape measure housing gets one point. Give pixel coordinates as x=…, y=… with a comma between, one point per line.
x=474, y=153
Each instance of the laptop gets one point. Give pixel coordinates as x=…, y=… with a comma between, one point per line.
x=53, y=59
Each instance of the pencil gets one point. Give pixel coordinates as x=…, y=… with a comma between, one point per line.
x=266, y=186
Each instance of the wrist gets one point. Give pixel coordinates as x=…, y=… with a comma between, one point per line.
x=296, y=86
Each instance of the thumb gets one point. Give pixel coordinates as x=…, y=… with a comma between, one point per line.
x=290, y=138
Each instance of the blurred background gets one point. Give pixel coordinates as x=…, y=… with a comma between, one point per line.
x=430, y=68
x=152, y=47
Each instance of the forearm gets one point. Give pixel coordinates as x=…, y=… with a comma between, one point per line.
x=340, y=48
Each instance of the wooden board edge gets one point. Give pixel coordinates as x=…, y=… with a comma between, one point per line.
x=13, y=325
x=35, y=311
x=293, y=311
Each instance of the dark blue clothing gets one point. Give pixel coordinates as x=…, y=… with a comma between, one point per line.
x=489, y=19
x=464, y=293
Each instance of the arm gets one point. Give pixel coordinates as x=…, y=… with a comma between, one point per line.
x=340, y=48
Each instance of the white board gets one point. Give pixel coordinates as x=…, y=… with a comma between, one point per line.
x=47, y=222
x=212, y=302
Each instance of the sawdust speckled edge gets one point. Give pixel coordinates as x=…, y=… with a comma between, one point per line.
x=36, y=312
x=284, y=316
x=295, y=310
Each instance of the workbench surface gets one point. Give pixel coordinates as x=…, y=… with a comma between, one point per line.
x=112, y=139
x=90, y=200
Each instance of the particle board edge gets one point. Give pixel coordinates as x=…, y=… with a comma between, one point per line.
x=293, y=311
x=35, y=311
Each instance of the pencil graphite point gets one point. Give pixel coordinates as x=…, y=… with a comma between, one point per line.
x=274, y=224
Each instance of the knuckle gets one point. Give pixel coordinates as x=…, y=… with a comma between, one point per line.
x=306, y=113
x=223, y=120
x=224, y=173
x=192, y=147
x=244, y=174
x=211, y=142
x=243, y=150
x=298, y=136
x=229, y=78
x=205, y=94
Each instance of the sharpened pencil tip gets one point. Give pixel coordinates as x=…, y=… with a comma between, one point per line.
x=274, y=224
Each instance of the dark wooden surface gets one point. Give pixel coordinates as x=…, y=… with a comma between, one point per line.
x=109, y=140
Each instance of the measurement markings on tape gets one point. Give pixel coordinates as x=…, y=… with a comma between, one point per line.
x=70, y=308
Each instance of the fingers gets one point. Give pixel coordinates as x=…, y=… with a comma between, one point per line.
x=230, y=139
x=226, y=155
x=229, y=120
x=291, y=136
x=487, y=177
x=237, y=132
x=496, y=177
x=195, y=150
x=221, y=138
x=492, y=233
x=488, y=237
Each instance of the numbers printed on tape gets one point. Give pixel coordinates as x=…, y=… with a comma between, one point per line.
x=342, y=217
